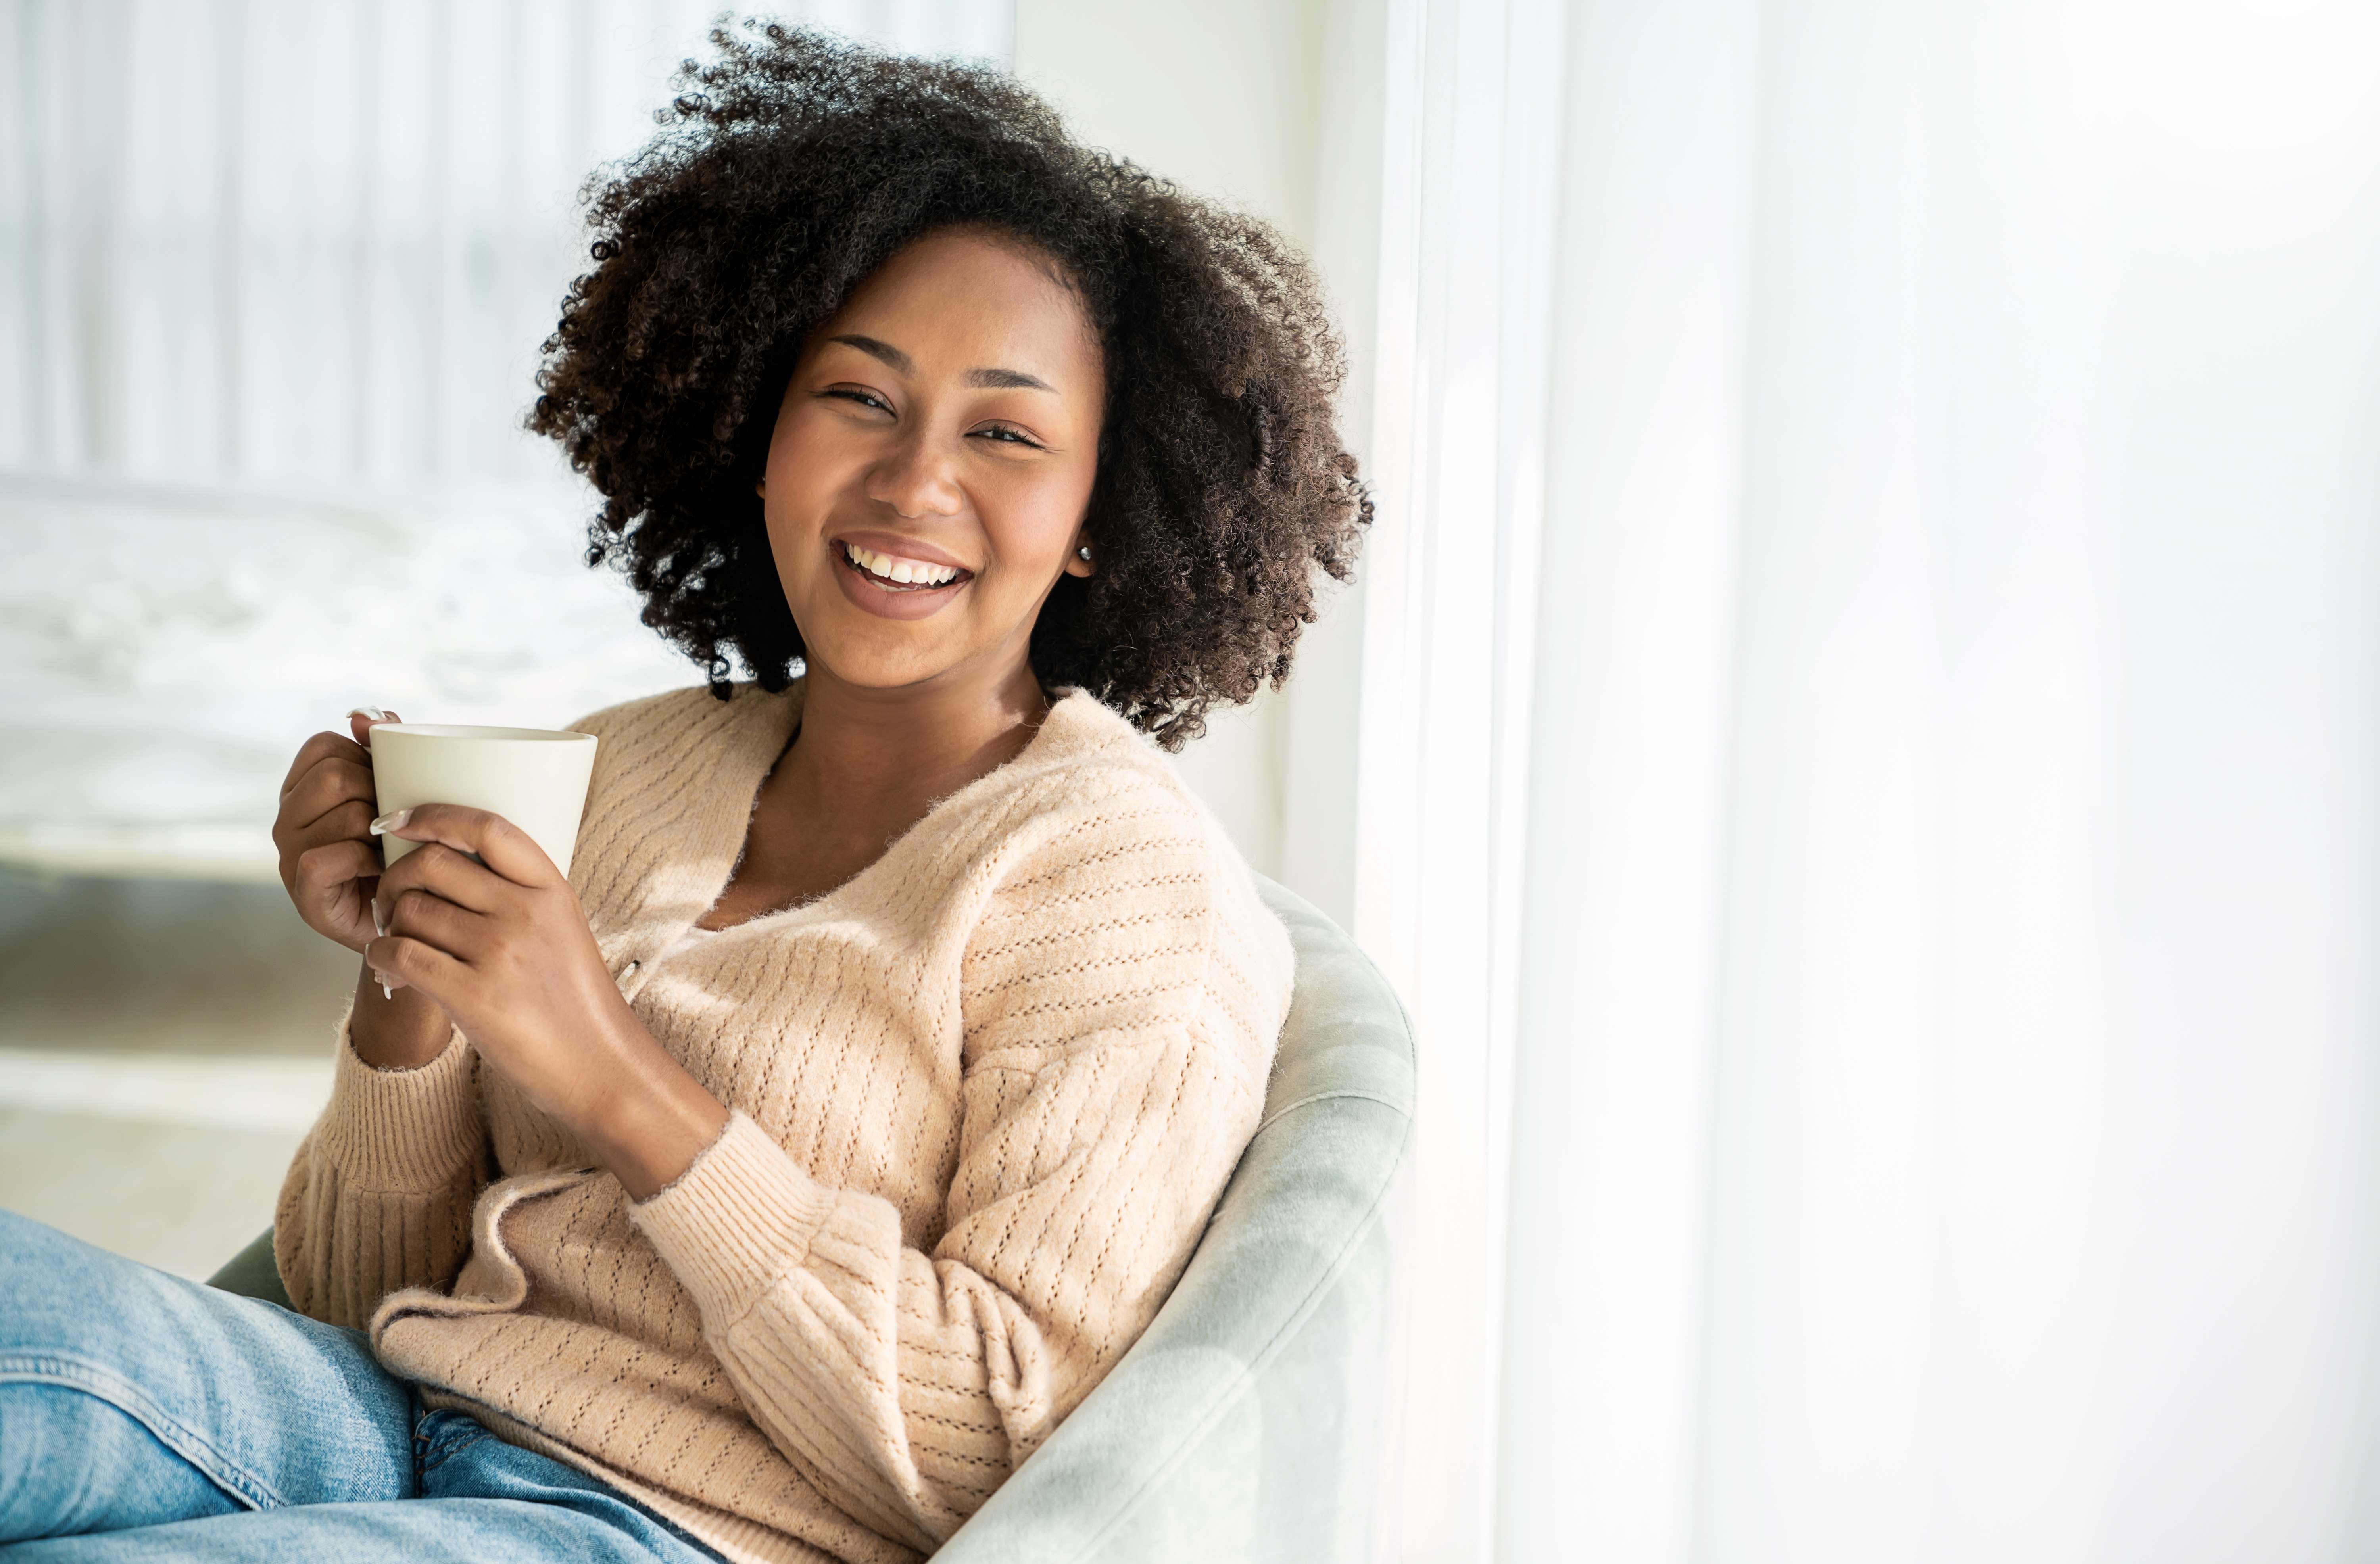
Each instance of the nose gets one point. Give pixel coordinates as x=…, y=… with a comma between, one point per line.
x=915, y=479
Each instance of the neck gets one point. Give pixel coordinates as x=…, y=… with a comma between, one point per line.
x=894, y=751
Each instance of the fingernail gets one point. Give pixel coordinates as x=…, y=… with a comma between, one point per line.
x=385, y=991
x=380, y=924
x=373, y=712
x=389, y=822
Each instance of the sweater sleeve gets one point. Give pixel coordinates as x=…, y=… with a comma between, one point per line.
x=1120, y=1011
x=379, y=1196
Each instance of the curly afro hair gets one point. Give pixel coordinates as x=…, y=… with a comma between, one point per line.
x=794, y=165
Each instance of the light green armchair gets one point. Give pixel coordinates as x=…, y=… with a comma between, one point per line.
x=1245, y=1423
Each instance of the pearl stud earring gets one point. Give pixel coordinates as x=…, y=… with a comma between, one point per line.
x=1083, y=553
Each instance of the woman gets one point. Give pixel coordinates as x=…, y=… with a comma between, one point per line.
x=773, y=1186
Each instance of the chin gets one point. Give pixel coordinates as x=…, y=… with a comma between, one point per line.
x=851, y=661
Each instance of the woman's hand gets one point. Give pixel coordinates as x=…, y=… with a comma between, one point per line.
x=503, y=946
x=329, y=861
x=330, y=865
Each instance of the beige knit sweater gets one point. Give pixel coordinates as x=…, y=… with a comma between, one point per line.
x=985, y=1095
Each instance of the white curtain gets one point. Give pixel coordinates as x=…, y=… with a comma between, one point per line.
x=319, y=241
x=1457, y=460
x=1900, y=1078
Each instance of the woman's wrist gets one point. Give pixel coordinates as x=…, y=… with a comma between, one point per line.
x=403, y=1031
x=652, y=1118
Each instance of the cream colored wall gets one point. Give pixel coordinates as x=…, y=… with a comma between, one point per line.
x=1229, y=97
x=1222, y=95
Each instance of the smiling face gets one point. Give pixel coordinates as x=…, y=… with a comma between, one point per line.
x=931, y=463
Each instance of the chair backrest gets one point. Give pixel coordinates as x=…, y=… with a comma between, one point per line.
x=1244, y=1422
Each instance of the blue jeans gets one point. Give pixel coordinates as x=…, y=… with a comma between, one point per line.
x=146, y=1417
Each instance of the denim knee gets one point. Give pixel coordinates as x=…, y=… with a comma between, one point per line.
x=269, y=1406
x=44, y=1275
x=73, y=1461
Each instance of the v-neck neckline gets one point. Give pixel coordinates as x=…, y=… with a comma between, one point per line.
x=1056, y=730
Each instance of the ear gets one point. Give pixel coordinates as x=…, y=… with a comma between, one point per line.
x=761, y=487
x=1076, y=562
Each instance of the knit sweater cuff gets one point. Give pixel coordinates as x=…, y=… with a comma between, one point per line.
x=736, y=1221
x=401, y=1131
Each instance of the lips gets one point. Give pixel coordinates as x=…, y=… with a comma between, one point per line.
x=900, y=572
x=870, y=572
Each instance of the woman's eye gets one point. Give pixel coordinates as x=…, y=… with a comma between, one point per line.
x=1008, y=436
x=864, y=399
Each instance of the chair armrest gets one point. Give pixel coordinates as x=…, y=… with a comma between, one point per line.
x=252, y=1274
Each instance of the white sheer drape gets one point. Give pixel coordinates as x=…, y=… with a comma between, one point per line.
x=319, y=241
x=1941, y=1047
x=1457, y=462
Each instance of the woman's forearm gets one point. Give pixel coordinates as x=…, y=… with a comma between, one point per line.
x=652, y=1118
x=644, y=1115
x=403, y=1031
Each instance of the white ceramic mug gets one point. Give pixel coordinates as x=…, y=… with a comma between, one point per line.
x=534, y=778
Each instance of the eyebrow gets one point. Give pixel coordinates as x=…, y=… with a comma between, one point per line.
x=884, y=350
x=994, y=379
x=1008, y=380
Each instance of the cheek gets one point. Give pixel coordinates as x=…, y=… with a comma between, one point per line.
x=1032, y=517
x=810, y=460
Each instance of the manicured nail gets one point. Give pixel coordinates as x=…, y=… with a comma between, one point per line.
x=385, y=991
x=374, y=712
x=390, y=822
x=380, y=924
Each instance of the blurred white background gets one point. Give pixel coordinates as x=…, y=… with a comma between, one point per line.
x=273, y=278
x=1859, y=740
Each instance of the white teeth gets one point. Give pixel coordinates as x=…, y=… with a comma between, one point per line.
x=900, y=571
